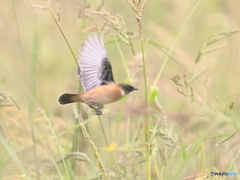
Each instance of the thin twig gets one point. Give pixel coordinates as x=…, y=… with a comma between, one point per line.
x=133, y=7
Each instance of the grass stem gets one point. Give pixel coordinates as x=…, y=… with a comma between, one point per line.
x=175, y=42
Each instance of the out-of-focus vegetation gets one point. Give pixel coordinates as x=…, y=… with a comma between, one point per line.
x=189, y=125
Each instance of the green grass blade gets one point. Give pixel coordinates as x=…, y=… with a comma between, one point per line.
x=176, y=40
x=190, y=155
x=14, y=156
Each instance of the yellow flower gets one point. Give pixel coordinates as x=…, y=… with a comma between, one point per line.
x=112, y=147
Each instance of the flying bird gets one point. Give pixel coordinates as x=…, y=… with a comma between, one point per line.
x=97, y=78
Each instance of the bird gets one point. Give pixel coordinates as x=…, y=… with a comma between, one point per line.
x=97, y=79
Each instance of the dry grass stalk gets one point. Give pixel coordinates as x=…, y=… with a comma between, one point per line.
x=142, y=8
x=82, y=11
x=137, y=2
x=40, y=7
x=161, y=110
x=177, y=80
x=100, y=6
x=117, y=23
x=213, y=49
x=139, y=14
x=16, y=177
x=133, y=7
x=192, y=95
x=193, y=177
x=188, y=91
x=91, y=144
x=48, y=2
x=58, y=12
x=214, y=39
x=7, y=100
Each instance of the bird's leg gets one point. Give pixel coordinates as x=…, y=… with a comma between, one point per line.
x=93, y=107
x=100, y=106
x=97, y=111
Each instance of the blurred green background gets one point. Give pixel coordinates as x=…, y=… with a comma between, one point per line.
x=36, y=66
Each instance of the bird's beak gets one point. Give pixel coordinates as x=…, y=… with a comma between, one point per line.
x=135, y=88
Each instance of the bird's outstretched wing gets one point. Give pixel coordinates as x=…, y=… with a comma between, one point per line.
x=95, y=68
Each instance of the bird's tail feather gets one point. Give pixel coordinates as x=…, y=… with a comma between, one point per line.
x=69, y=98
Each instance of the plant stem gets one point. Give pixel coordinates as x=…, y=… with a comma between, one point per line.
x=175, y=42
x=96, y=154
x=146, y=126
x=63, y=36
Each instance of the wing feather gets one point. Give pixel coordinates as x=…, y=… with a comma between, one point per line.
x=95, y=68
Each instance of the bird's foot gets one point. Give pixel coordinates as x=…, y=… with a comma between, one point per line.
x=98, y=112
x=100, y=107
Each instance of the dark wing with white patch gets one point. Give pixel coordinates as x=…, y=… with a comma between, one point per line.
x=95, y=68
x=106, y=73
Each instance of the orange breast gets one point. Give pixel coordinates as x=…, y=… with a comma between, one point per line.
x=103, y=95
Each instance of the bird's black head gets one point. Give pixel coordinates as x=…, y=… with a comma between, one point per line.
x=127, y=88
